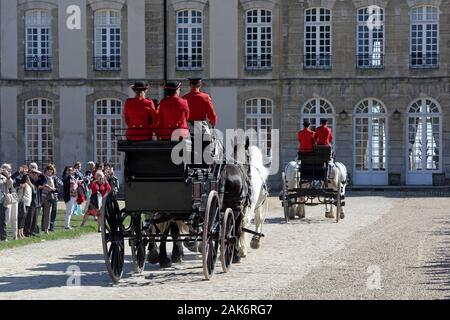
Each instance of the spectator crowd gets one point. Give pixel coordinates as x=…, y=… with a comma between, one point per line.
x=29, y=197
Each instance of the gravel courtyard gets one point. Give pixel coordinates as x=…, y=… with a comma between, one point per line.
x=390, y=246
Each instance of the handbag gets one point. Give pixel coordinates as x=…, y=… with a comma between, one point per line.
x=10, y=198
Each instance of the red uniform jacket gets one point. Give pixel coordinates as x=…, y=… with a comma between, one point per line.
x=104, y=188
x=173, y=114
x=201, y=107
x=306, y=140
x=324, y=137
x=140, y=117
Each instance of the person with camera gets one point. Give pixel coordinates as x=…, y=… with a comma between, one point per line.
x=6, y=198
x=48, y=192
x=23, y=186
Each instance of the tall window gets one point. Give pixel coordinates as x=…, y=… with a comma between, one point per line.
x=424, y=136
x=370, y=47
x=107, y=118
x=370, y=136
x=259, y=39
x=39, y=130
x=317, y=38
x=315, y=111
x=259, y=117
x=37, y=40
x=189, y=40
x=424, y=37
x=107, y=40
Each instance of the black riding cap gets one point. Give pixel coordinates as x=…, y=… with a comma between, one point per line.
x=195, y=81
x=140, y=86
x=172, y=85
x=306, y=123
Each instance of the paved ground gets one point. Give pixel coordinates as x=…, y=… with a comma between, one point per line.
x=403, y=240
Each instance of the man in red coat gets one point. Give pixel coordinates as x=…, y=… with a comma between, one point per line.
x=306, y=138
x=173, y=112
x=324, y=136
x=200, y=104
x=140, y=114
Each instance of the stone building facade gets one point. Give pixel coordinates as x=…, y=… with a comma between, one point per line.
x=378, y=69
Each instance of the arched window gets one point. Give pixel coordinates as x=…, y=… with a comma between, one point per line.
x=370, y=37
x=189, y=40
x=37, y=40
x=370, y=136
x=107, y=118
x=317, y=38
x=259, y=117
x=107, y=40
x=424, y=136
x=259, y=39
x=39, y=131
x=316, y=110
x=424, y=37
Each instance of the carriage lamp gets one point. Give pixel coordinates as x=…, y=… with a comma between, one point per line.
x=343, y=115
x=396, y=115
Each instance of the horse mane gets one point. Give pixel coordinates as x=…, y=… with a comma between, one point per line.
x=257, y=161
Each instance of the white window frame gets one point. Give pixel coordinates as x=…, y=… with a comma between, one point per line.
x=189, y=26
x=371, y=58
x=423, y=58
x=109, y=61
x=42, y=156
x=111, y=142
x=258, y=115
x=316, y=61
x=424, y=116
x=370, y=115
x=318, y=115
x=41, y=27
x=259, y=60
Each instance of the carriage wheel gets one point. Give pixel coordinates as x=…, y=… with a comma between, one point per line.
x=138, y=244
x=112, y=238
x=211, y=232
x=338, y=202
x=228, y=240
x=285, y=199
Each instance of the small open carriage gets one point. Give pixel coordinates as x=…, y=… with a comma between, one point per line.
x=166, y=191
x=311, y=183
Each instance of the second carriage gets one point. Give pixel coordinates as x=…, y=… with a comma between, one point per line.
x=159, y=190
x=309, y=184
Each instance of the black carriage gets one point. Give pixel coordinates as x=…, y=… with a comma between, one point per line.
x=164, y=191
x=312, y=185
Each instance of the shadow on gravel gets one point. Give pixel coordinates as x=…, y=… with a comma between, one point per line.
x=437, y=269
x=93, y=274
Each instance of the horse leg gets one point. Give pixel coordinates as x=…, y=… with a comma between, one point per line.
x=152, y=255
x=177, y=251
x=243, y=250
x=255, y=243
x=302, y=210
x=163, y=259
x=238, y=231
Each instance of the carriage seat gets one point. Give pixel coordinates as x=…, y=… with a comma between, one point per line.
x=314, y=165
x=152, y=160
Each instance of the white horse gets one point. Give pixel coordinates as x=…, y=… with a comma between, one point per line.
x=337, y=177
x=258, y=204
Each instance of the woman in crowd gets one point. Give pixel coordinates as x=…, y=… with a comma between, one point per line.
x=25, y=194
x=99, y=189
x=6, y=189
x=70, y=194
x=48, y=190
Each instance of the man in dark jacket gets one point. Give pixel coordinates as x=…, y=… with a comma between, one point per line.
x=31, y=223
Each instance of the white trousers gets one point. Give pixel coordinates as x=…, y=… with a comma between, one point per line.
x=11, y=213
x=70, y=207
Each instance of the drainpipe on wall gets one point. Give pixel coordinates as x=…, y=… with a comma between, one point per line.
x=165, y=41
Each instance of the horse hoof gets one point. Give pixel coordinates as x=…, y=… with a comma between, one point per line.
x=255, y=244
x=329, y=215
x=177, y=259
x=153, y=256
x=342, y=216
x=236, y=259
x=165, y=262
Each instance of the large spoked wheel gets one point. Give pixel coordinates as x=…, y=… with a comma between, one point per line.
x=211, y=234
x=285, y=199
x=227, y=240
x=138, y=244
x=113, y=238
x=338, y=202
